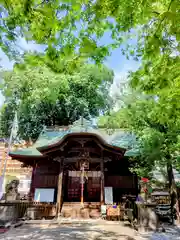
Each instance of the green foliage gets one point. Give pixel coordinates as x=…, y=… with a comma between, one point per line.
x=72, y=31
x=156, y=122
x=49, y=98
x=162, y=80
x=162, y=73
x=1, y=130
x=71, y=26
x=115, y=120
x=122, y=100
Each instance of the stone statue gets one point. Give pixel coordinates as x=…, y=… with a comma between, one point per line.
x=10, y=212
x=148, y=219
x=12, y=191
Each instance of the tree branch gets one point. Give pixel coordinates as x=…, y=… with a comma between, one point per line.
x=164, y=16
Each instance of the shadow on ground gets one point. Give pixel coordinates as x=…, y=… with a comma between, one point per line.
x=85, y=231
x=76, y=232
x=171, y=233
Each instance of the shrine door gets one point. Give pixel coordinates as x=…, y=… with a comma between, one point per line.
x=91, y=186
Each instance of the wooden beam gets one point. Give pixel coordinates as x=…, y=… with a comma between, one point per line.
x=92, y=160
x=85, y=149
x=59, y=187
x=76, y=159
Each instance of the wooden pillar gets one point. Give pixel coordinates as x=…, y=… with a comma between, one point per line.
x=102, y=181
x=82, y=185
x=33, y=184
x=59, y=188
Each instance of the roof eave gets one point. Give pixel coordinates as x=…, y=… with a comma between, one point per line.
x=104, y=143
x=20, y=156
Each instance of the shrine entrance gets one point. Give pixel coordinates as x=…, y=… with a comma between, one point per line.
x=77, y=167
x=82, y=181
x=91, y=186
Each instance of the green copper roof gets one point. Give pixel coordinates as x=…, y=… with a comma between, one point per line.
x=31, y=151
x=132, y=153
x=48, y=137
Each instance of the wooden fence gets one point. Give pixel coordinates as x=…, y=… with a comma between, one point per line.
x=11, y=210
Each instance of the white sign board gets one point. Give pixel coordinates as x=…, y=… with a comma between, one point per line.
x=44, y=195
x=108, y=192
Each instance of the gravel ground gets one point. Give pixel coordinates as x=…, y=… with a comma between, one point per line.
x=100, y=230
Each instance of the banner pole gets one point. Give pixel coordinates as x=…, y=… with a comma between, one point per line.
x=13, y=133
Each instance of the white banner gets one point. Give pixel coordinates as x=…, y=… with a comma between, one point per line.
x=108, y=192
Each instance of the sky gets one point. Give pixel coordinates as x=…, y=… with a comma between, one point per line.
x=117, y=62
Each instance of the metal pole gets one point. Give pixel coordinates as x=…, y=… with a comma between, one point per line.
x=13, y=129
x=5, y=165
x=146, y=194
x=3, y=157
x=7, y=153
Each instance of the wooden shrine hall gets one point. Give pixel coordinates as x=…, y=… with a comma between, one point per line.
x=74, y=166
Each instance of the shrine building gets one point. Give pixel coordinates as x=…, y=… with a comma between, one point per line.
x=79, y=164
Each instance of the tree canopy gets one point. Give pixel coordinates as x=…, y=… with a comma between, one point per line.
x=153, y=114
x=67, y=26
x=72, y=31
x=157, y=132
x=43, y=97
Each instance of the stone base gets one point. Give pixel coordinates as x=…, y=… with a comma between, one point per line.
x=75, y=210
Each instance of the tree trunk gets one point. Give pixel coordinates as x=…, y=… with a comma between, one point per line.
x=172, y=188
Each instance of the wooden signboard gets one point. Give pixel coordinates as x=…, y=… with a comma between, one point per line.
x=103, y=210
x=113, y=211
x=108, y=192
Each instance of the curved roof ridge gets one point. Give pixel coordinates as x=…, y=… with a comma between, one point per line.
x=70, y=134
x=114, y=137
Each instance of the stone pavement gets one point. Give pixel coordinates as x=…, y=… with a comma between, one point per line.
x=89, y=230
x=82, y=231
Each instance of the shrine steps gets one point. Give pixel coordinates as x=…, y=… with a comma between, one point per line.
x=75, y=210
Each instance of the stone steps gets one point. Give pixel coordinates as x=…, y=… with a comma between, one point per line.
x=75, y=210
